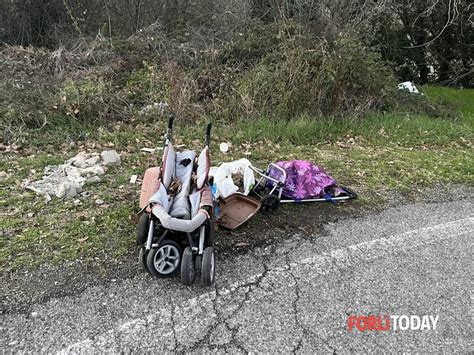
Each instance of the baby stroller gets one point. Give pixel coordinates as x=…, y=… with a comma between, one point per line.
x=176, y=227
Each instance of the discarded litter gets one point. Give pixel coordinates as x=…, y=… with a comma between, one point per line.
x=67, y=180
x=223, y=178
x=224, y=147
x=293, y=181
x=410, y=87
x=176, y=229
x=148, y=150
x=236, y=210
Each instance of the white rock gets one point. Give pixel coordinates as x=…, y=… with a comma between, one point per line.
x=66, y=180
x=93, y=180
x=93, y=170
x=79, y=160
x=66, y=191
x=34, y=314
x=92, y=161
x=74, y=175
x=110, y=157
x=99, y=202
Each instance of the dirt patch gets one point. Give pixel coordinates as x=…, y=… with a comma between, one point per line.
x=305, y=219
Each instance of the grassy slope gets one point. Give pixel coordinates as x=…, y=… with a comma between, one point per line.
x=381, y=152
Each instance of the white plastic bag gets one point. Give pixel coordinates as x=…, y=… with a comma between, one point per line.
x=227, y=187
x=410, y=87
x=249, y=180
x=223, y=177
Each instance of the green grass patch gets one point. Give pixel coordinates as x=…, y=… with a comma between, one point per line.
x=376, y=129
x=462, y=99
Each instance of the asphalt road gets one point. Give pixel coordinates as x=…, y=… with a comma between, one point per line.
x=294, y=296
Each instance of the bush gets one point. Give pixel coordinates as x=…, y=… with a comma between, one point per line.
x=146, y=85
x=318, y=78
x=248, y=47
x=279, y=71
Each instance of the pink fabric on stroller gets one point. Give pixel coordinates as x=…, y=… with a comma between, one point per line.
x=304, y=180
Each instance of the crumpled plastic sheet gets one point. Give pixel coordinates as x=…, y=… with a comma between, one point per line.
x=223, y=177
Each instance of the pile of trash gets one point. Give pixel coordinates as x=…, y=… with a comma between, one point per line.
x=66, y=181
x=240, y=196
x=232, y=177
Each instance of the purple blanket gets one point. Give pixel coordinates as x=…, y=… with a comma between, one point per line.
x=304, y=180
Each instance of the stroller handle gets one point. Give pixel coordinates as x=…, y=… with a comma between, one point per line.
x=169, y=129
x=208, y=134
x=170, y=122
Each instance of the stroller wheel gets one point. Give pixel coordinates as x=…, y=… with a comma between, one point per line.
x=208, y=267
x=142, y=259
x=187, y=267
x=164, y=261
x=209, y=242
x=142, y=229
x=270, y=204
x=350, y=192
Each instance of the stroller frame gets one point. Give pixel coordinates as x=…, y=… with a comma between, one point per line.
x=272, y=199
x=171, y=242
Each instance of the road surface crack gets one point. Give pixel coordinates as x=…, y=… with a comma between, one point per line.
x=173, y=324
x=248, y=288
x=306, y=333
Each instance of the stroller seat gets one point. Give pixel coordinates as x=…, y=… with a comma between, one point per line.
x=180, y=206
x=186, y=211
